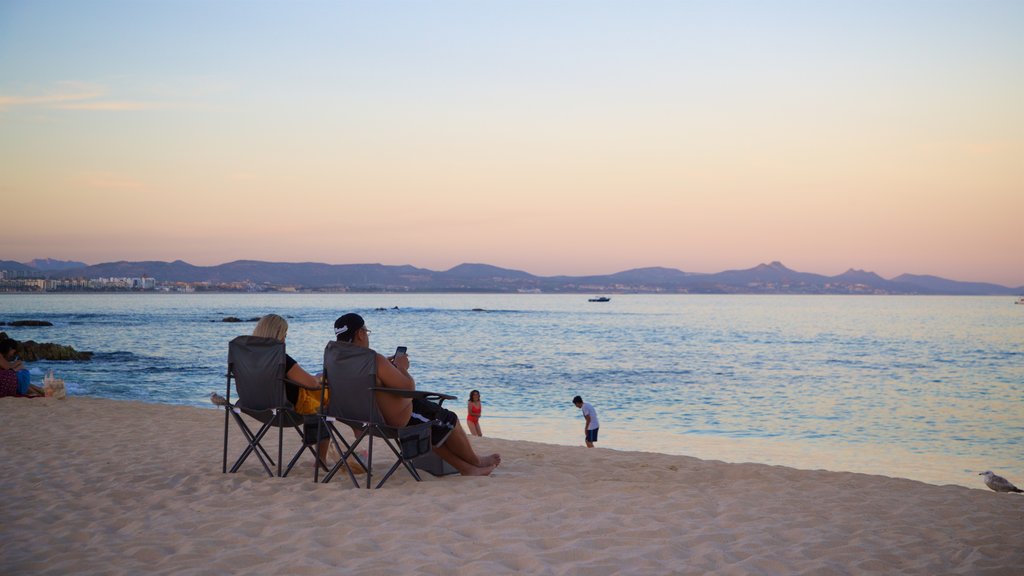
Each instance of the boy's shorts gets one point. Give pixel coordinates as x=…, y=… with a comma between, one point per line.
x=592, y=435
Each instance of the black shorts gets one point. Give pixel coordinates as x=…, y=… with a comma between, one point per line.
x=309, y=430
x=426, y=411
x=592, y=435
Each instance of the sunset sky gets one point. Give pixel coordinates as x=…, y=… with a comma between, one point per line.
x=555, y=137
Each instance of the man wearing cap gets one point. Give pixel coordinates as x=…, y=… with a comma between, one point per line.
x=449, y=440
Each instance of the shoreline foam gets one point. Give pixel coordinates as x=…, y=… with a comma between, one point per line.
x=118, y=487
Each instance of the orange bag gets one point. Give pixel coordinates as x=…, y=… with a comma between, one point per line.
x=309, y=401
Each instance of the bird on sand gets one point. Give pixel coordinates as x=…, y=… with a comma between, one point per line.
x=998, y=483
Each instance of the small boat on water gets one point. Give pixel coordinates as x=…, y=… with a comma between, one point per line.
x=1020, y=300
x=600, y=299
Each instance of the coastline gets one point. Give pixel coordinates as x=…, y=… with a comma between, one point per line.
x=882, y=460
x=118, y=487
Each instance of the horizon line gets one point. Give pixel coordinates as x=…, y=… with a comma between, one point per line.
x=772, y=263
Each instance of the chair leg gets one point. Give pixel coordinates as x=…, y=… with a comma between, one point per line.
x=311, y=447
x=369, y=457
x=400, y=460
x=253, y=446
x=250, y=436
x=227, y=411
x=389, y=473
x=280, y=440
x=350, y=450
x=261, y=453
x=224, y=467
x=316, y=469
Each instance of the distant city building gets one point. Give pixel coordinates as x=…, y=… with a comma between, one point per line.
x=14, y=274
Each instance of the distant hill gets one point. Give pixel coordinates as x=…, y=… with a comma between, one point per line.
x=652, y=275
x=936, y=285
x=48, y=264
x=479, y=271
x=177, y=271
x=15, y=266
x=863, y=278
x=771, y=278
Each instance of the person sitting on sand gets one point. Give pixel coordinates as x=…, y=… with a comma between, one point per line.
x=15, y=380
x=473, y=410
x=453, y=447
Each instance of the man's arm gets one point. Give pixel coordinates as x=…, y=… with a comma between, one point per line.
x=395, y=375
x=395, y=409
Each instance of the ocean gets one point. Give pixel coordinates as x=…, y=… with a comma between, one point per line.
x=923, y=387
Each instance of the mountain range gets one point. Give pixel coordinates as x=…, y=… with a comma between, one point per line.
x=773, y=278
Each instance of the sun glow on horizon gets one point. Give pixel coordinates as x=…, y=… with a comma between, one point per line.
x=577, y=138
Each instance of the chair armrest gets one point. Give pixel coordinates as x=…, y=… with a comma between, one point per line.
x=421, y=394
x=294, y=383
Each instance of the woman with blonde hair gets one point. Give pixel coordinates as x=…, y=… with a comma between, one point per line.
x=276, y=327
x=271, y=326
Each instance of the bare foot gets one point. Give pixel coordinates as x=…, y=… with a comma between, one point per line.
x=352, y=463
x=492, y=460
x=355, y=466
x=479, y=470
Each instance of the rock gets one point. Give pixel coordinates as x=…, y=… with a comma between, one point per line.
x=231, y=319
x=30, y=323
x=30, y=351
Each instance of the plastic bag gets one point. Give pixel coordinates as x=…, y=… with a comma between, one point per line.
x=54, y=387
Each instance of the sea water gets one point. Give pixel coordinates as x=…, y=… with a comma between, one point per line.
x=929, y=388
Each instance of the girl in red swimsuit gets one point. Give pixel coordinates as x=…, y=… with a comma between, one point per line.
x=473, y=409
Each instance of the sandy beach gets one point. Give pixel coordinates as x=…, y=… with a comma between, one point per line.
x=114, y=487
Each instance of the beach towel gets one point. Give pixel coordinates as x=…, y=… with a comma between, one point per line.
x=8, y=383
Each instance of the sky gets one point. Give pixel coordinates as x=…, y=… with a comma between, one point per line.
x=556, y=137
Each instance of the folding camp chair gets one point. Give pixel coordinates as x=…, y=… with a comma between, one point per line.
x=351, y=373
x=257, y=366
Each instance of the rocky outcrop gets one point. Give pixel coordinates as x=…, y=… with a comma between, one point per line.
x=29, y=323
x=30, y=351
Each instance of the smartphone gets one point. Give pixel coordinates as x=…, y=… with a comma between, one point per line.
x=401, y=351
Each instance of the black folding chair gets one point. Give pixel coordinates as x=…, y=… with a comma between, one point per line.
x=257, y=367
x=351, y=373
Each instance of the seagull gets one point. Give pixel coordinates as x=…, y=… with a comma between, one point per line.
x=998, y=483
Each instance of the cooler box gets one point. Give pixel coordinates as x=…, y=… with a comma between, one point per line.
x=433, y=463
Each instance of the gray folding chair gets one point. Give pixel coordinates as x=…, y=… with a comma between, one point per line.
x=257, y=367
x=351, y=373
